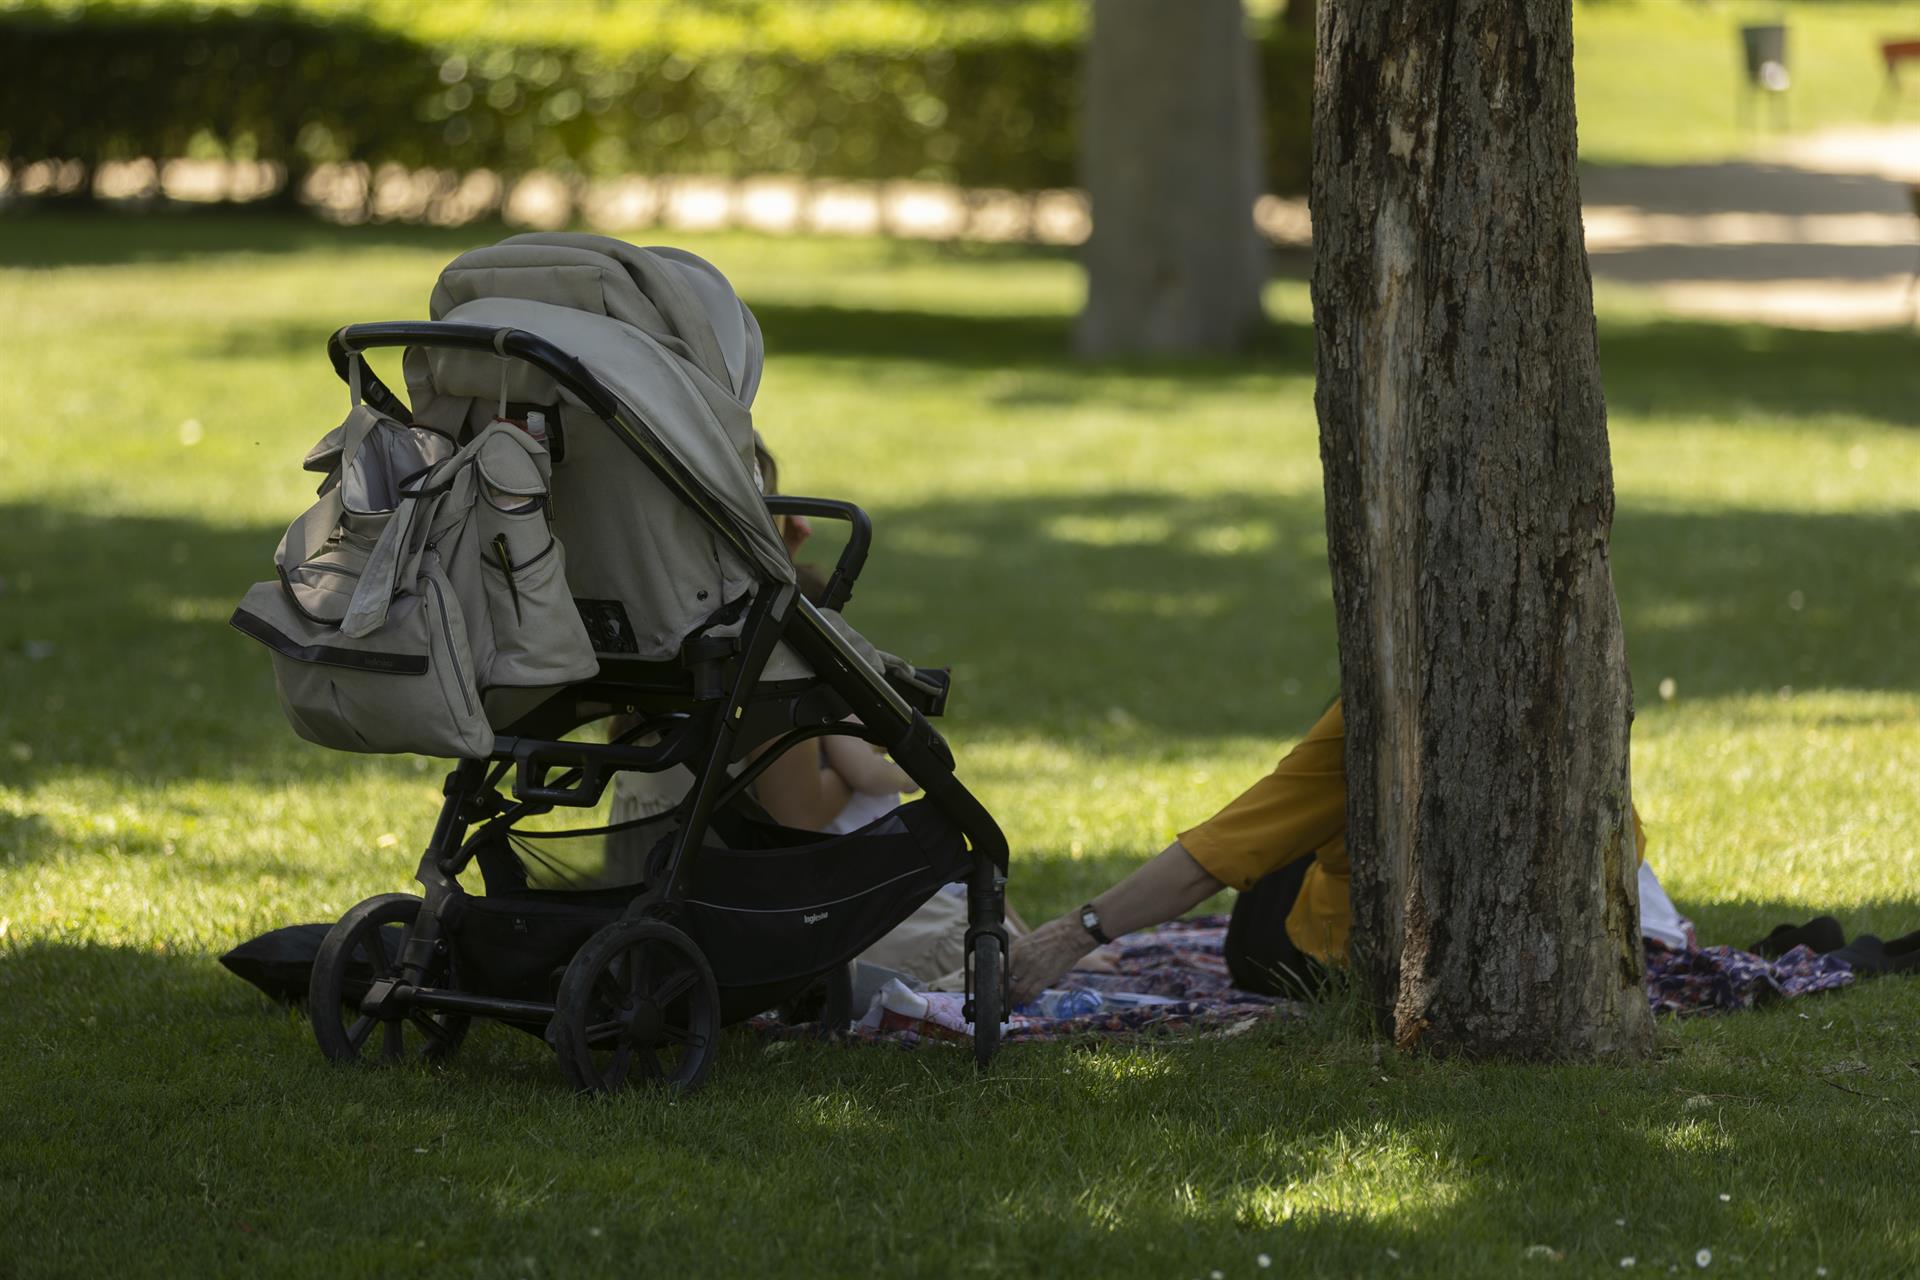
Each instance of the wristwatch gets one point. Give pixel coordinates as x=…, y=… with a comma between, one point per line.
x=1090, y=921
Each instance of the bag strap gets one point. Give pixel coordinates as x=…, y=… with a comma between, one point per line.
x=430, y=505
x=396, y=555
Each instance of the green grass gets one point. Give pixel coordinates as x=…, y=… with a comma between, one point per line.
x=1127, y=568
x=1664, y=81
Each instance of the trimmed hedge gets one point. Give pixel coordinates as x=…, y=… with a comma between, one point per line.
x=301, y=86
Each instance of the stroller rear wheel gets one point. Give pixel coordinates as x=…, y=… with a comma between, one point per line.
x=361, y=949
x=639, y=1000
x=989, y=1004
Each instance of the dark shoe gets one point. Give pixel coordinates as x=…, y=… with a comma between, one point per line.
x=1903, y=954
x=1822, y=934
x=1865, y=955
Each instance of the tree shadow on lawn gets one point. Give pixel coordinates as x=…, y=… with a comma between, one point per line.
x=51, y=235
x=1728, y=371
x=1213, y=615
x=1740, y=374
x=1748, y=601
x=1191, y=618
x=1698, y=190
x=1749, y=374
x=103, y=238
x=1161, y=1155
x=116, y=656
x=1024, y=341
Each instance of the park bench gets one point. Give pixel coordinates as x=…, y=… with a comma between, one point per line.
x=1896, y=54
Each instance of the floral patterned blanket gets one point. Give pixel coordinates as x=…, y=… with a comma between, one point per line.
x=1184, y=966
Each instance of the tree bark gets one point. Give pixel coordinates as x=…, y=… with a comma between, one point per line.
x=1170, y=158
x=1469, y=505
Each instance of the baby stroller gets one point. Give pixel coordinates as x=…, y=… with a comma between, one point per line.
x=564, y=528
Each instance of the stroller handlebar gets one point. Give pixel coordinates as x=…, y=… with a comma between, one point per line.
x=516, y=343
x=859, y=539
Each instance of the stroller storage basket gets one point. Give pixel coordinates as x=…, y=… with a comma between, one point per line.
x=773, y=907
x=799, y=905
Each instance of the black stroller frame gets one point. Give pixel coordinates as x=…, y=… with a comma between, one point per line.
x=638, y=998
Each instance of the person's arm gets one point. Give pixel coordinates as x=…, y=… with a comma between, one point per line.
x=1289, y=813
x=796, y=792
x=1167, y=887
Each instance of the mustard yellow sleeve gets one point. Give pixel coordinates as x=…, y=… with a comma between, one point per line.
x=1288, y=814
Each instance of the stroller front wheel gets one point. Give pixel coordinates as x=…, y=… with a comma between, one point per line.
x=989, y=1005
x=364, y=947
x=639, y=999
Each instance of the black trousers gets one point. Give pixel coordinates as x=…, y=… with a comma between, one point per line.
x=1260, y=956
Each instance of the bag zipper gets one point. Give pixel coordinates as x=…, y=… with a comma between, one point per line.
x=506, y=567
x=446, y=629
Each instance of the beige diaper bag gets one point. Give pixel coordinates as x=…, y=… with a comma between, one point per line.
x=425, y=575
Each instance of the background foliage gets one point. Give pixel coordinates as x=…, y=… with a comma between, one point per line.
x=982, y=95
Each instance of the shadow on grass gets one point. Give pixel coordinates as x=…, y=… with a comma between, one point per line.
x=908, y=339
x=1171, y=1156
x=1695, y=190
x=116, y=656
x=991, y=341
x=1112, y=618
x=1750, y=374
x=1749, y=601
x=1178, y=617
x=105, y=237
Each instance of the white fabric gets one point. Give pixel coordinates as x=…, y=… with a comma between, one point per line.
x=863, y=808
x=1659, y=918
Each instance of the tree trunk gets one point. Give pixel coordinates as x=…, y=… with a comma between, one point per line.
x=1469, y=505
x=1169, y=155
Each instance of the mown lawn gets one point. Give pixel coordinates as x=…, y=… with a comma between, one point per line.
x=1127, y=569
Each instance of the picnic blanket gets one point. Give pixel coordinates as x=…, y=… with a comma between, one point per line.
x=1693, y=979
x=1184, y=964
x=1183, y=967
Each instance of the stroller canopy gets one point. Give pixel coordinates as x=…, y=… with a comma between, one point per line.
x=665, y=333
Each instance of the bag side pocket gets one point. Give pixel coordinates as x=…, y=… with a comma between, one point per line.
x=406, y=687
x=539, y=637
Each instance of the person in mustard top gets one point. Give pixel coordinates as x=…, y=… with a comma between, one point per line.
x=1282, y=843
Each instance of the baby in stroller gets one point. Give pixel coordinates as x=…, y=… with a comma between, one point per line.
x=466, y=588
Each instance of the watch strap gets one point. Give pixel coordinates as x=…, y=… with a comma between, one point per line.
x=1090, y=921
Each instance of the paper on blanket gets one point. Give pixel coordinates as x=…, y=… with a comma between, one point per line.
x=897, y=1007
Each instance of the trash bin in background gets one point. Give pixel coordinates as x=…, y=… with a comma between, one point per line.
x=1766, y=49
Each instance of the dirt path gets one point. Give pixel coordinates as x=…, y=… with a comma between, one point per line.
x=1821, y=234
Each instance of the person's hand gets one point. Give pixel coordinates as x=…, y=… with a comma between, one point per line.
x=795, y=530
x=1044, y=956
